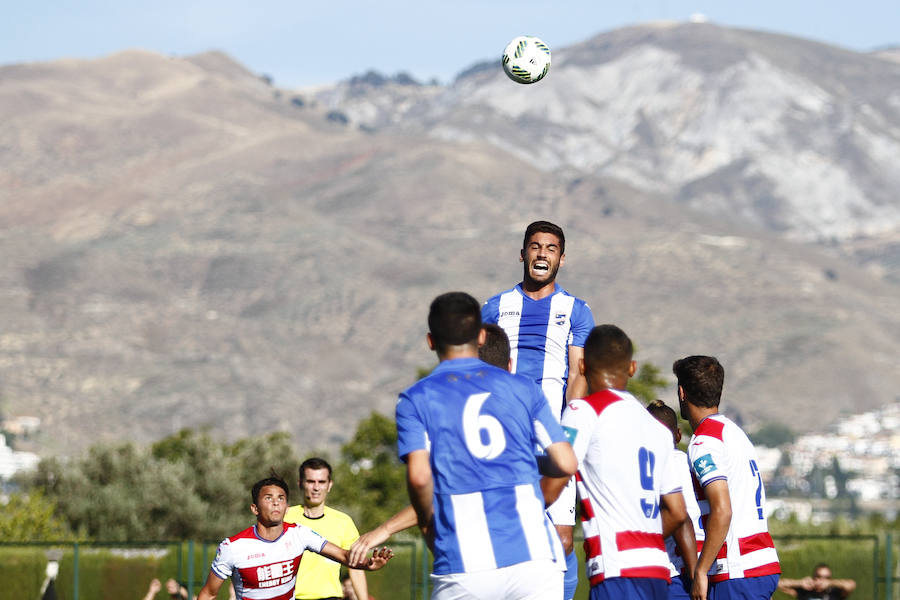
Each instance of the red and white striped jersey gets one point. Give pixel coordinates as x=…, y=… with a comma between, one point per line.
x=623, y=468
x=719, y=450
x=263, y=569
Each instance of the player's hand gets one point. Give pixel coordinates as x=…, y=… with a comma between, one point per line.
x=379, y=558
x=808, y=583
x=359, y=549
x=699, y=586
x=155, y=586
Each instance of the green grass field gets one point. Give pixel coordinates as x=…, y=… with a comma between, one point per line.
x=123, y=572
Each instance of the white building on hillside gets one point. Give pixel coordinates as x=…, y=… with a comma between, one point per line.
x=11, y=461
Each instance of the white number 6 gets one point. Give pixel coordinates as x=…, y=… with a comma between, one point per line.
x=474, y=423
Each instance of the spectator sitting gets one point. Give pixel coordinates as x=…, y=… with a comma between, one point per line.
x=818, y=587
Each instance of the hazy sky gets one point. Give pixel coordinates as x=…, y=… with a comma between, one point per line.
x=302, y=43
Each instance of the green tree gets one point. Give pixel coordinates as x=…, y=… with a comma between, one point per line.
x=370, y=481
x=186, y=486
x=647, y=383
x=32, y=517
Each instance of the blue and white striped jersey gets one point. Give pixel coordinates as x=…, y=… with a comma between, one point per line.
x=540, y=333
x=480, y=425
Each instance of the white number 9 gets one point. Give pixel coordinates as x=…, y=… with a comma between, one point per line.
x=474, y=423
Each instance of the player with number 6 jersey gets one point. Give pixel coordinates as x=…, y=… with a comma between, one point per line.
x=468, y=432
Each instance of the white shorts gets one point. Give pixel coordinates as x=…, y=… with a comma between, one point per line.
x=531, y=580
x=562, y=512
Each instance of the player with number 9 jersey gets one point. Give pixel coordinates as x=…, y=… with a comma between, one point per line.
x=480, y=425
x=623, y=468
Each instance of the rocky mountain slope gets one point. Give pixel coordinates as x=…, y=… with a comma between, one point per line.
x=186, y=246
x=788, y=135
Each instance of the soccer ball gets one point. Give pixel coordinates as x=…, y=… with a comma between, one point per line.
x=526, y=59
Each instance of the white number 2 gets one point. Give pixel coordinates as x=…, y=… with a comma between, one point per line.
x=474, y=423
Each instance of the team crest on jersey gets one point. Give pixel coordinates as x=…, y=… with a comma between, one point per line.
x=704, y=465
x=571, y=433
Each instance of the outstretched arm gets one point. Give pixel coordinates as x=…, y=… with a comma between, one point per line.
x=404, y=519
x=211, y=588
x=378, y=559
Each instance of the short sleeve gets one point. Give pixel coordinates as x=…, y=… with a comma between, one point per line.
x=578, y=421
x=671, y=474
x=582, y=323
x=490, y=310
x=708, y=459
x=309, y=539
x=223, y=563
x=411, y=433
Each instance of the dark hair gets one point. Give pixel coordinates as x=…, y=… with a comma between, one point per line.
x=664, y=413
x=495, y=350
x=607, y=347
x=545, y=227
x=274, y=479
x=315, y=463
x=454, y=319
x=701, y=378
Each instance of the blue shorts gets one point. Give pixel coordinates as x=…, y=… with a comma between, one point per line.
x=630, y=588
x=747, y=588
x=680, y=588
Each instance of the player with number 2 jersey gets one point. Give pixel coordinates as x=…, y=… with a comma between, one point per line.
x=719, y=450
x=738, y=558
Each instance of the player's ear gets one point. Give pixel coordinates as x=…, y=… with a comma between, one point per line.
x=581, y=367
x=522, y=255
x=677, y=434
x=482, y=337
x=430, y=341
x=632, y=368
x=562, y=259
x=254, y=509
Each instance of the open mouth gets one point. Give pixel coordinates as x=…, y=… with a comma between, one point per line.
x=540, y=267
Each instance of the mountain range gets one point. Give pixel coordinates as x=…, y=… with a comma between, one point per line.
x=188, y=245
